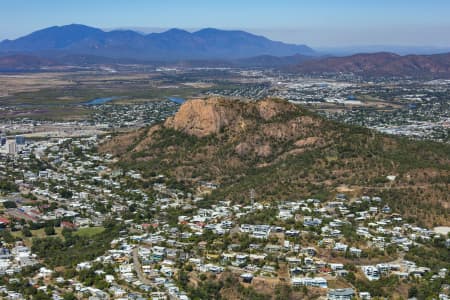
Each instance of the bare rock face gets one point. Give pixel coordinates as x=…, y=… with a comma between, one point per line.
x=203, y=117
x=310, y=141
x=268, y=109
x=243, y=148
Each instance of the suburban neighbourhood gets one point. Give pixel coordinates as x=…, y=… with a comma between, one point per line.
x=152, y=234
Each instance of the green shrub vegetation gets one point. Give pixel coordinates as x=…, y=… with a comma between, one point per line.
x=74, y=249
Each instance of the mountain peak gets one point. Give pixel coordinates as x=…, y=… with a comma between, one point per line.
x=209, y=29
x=176, y=31
x=215, y=31
x=70, y=28
x=174, y=44
x=203, y=117
x=76, y=26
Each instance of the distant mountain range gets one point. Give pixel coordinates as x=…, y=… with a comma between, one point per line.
x=174, y=44
x=79, y=45
x=379, y=64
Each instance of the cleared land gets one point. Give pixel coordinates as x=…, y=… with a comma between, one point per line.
x=89, y=231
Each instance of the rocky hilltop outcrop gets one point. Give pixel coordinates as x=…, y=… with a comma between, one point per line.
x=258, y=128
x=203, y=117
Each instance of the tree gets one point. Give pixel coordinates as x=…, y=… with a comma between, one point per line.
x=351, y=277
x=9, y=204
x=26, y=232
x=7, y=236
x=49, y=230
x=67, y=233
x=66, y=194
x=41, y=295
x=8, y=186
x=69, y=296
x=412, y=292
x=183, y=278
x=78, y=152
x=101, y=284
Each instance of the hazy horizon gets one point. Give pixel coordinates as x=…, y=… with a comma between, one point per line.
x=322, y=24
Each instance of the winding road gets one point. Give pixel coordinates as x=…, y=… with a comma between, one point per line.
x=138, y=268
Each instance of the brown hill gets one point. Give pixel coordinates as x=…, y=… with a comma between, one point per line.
x=206, y=117
x=286, y=152
x=380, y=64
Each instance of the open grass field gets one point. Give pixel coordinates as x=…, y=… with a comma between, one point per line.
x=52, y=113
x=39, y=233
x=11, y=84
x=89, y=231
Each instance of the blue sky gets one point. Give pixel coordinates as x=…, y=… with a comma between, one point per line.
x=314, y=22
